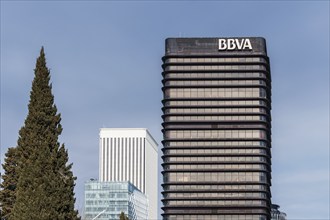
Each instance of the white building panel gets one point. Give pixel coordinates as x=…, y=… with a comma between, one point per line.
x=130, y=154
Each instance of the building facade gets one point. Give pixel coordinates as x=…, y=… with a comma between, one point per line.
x=217, y=129
x=106, y=200
x=130, y=154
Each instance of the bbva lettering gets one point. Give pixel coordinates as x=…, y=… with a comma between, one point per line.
x=232, y=44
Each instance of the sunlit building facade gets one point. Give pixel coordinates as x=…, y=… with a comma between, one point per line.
x=130, y=154
x=217, y=129
x=106, y=200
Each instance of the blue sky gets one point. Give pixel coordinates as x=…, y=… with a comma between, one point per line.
x=105, y=61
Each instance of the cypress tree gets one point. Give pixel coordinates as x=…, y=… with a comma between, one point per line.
x=122, y=216
x=8, y=186
x=45, y=182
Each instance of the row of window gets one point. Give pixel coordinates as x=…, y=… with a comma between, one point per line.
x=215, y=134
x=216, y=195
x=215, y=159
x=216, y=67
x=215, y=217
x=115, y=187
x=216, y=75
x=216, y=118
x=215, y=93
x=215, y=151
x=106, y=202
x=216, y=187
x=215, y=166
x=107, y=195
x=99, y=208
x=214, y=143
x=215, y=202
x=215, y=60
x=215, y=110
x=215, y=103
x=215, y=176
x=214, y=82
x=104, y=215
x=217, y=125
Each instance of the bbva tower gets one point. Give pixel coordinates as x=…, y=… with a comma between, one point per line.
x=216, y=129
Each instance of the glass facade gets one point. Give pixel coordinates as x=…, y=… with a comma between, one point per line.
x=216, y=131
x=106, y=200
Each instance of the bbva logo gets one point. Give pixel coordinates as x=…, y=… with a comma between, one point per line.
x=232, y=44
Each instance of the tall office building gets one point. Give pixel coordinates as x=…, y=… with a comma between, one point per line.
x=130, y=154
x=217, y=129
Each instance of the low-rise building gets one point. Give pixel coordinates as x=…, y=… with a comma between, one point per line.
x=106, y=200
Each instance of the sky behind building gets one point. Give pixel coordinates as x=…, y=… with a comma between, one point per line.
x=105, y=61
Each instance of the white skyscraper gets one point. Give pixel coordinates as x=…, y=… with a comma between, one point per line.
x=130, y=154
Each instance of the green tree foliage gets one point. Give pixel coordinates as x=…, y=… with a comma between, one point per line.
x=8, y=186
x=123, y=216
x=44, y=188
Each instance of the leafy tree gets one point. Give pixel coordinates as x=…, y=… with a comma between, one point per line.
x=122, y=216
x=8, y=186
x=44, y=188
